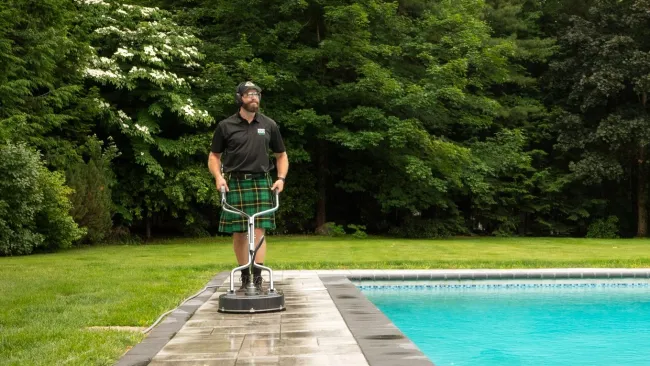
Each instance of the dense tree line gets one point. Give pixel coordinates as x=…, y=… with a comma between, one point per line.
x=413, y=118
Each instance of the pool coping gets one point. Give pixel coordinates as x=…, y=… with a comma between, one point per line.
x=380, y=341
x=499, y=274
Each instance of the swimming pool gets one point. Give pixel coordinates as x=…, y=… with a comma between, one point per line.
x=532, y=323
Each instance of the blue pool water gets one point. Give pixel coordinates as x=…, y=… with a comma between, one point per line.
x=568, y=325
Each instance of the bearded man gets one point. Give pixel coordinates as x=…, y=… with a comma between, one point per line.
x=239, y=161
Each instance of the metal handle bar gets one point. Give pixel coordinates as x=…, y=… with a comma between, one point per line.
x=228, y=208
x=251, y=245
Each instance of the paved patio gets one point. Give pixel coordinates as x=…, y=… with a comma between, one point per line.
x=326, y=322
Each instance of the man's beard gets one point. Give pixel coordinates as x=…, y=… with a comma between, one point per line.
x=250, y=107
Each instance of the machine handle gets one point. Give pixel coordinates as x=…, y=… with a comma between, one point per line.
x=228, y=208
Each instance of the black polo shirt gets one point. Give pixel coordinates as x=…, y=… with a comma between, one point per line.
x=245, y=146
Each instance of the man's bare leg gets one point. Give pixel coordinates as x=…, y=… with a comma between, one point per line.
x=259, y=258
x=261, y=253
x=240, y=247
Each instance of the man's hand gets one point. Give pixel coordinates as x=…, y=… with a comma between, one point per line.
x=279, y=185
x=221, y=183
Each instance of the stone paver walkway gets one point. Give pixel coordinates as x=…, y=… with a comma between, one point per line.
x=310, y=332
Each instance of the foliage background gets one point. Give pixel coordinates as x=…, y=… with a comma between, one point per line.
x=412, y=118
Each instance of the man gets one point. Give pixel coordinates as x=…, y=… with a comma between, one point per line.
x=240, y=145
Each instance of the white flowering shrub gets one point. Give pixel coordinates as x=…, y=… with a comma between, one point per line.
x=145, y=65
x=143, y=62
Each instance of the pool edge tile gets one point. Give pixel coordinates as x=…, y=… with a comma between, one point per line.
x=375, y=334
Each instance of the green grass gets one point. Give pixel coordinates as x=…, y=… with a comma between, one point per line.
x=49, y=301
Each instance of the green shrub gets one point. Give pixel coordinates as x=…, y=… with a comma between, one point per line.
x=332, y=229
x=34, y=207
x=53, y=220
x=359, y=231
x=92, y=205
x=419, y=228
x=605, y=229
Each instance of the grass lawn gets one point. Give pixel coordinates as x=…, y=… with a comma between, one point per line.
x=49, y=301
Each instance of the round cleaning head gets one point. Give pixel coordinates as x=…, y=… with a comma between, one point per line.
x=240, y=302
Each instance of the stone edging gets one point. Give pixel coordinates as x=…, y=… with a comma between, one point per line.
x=142, y=353
x=381, y=342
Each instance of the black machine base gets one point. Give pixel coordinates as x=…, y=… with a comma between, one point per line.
x=239, y=302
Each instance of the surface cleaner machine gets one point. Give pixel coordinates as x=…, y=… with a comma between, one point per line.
x=250, y=299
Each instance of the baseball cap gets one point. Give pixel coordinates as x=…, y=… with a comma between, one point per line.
x=241, y=89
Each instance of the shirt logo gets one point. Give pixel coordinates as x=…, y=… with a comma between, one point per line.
x=261, y=131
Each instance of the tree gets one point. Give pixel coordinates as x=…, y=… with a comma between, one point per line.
x=602, y=77
x=377, y=100
x=144, y=66
x=41, y=92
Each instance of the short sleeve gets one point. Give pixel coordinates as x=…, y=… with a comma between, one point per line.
x=277, y=144
x=218, y=140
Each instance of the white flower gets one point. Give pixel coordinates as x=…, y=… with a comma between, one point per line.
x=93, y=2
x=141, y=153
x=100, y=74
x=122, y=12
x=123, y=115
x=123, y=52
x=106, y=61
x=146, y=11
x=144, y=129
x=157, y=74
x=150, y=50
x=188, y=110
x=125, y=125
x=109, y=29
x=102, y=104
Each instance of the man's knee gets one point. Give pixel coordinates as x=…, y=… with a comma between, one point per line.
x=239, y=238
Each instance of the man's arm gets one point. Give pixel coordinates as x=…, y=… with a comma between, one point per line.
x=282, y=163
x=214, y=164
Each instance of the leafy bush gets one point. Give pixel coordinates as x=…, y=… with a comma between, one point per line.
x=359, y=231
x=416, y=227
x=34, y=205
x=92, y=206
x=606, y=229
x=332, y=229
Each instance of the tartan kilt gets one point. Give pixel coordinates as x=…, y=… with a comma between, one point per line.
x=251, y=196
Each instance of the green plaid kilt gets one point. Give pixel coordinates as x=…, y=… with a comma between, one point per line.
x=251, y=196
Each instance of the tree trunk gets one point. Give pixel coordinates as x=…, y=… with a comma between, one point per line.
x=642, y=196
x=148, y=226
x=321, y=211
x=642, y=190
